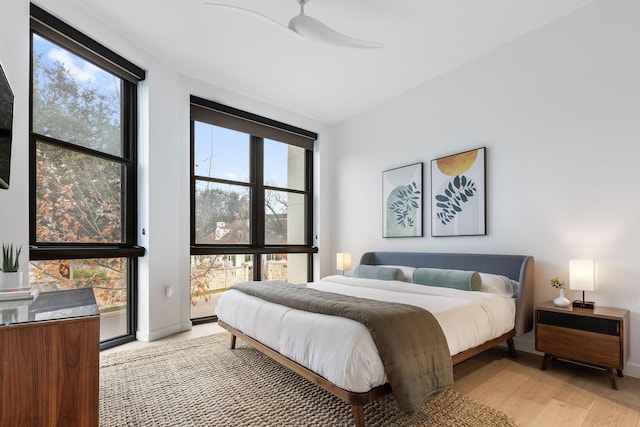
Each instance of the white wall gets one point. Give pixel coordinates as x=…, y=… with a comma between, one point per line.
x=14, y=57
x=558, y=110
x=163, y=155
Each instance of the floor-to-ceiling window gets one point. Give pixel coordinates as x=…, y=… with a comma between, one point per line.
x=83, y=199
x=251, y=202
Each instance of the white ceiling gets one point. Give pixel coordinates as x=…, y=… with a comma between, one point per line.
x=422, y=38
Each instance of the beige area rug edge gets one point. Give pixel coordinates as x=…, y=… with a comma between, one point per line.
x=201, y=382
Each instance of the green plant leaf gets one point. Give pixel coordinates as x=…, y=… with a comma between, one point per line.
x=10, y=257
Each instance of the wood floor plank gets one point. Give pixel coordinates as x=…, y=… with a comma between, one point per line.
x=539, y=391
x=466, y=380
x=606, y=413
x=560, y=414
x=566, y=394
x=521, y=409
x=496, y=389
x=628, y=392
x=576, y=395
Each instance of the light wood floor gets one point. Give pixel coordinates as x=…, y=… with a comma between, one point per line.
x=565, y=395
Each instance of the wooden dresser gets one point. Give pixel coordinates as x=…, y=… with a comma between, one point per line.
x=598, y=337
x=49, y=362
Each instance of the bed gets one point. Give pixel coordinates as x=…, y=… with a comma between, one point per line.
x=341, y=357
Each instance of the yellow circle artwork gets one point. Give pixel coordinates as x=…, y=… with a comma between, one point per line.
x=458, y=164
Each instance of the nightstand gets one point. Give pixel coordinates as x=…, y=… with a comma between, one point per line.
x=598, y=337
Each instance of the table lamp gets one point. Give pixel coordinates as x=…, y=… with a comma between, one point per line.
x=343, y=261
x=582, y=277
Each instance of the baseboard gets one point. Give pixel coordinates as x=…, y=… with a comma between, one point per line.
x=632, y=370
x=148, y=336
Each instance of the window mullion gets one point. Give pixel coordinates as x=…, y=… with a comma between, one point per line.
x=257, y=209
x=257, y=201
x=309, y=203
x=129, y=170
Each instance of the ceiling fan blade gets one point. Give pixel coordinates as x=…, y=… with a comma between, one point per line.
x=254, y=14
x=311, y=28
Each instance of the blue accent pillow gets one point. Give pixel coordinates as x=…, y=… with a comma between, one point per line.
x=380, y=273
x=456, y=279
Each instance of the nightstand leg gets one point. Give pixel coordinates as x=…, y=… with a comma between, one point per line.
x=619, y=373
x=612, y=378
x=545, y=361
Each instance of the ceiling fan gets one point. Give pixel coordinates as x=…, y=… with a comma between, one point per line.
x=307, y=27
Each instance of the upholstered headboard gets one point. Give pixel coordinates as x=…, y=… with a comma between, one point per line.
x=516, y=267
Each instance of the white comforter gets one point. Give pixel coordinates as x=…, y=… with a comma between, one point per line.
x=342, y=350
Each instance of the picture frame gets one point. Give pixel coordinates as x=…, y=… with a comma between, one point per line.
x=458, y=194
x=402, y=201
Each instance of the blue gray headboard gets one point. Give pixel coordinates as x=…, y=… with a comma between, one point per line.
x=516, y=267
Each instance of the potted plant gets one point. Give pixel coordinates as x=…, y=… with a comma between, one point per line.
x=11, y=276
x=561, y=301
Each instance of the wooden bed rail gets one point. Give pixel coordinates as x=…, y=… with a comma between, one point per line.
x=508, y=337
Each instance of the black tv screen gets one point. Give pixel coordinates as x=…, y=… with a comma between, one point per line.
x=6, y=122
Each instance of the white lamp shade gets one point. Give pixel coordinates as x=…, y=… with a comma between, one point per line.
x=582, y=274
x=343, y=261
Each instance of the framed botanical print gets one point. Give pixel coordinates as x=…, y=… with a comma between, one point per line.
x=402, y=201
x=458, y=196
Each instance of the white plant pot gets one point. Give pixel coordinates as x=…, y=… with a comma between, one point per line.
x=10, y=279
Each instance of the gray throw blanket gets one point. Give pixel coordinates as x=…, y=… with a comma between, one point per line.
x=410, y=342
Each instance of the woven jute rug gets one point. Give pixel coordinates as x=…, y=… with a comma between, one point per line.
x=201, y=382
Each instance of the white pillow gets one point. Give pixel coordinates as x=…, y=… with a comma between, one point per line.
x=497, y=284
x=406, y=270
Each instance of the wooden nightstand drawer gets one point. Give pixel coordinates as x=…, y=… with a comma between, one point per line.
x=583, y=323
x=583, y=346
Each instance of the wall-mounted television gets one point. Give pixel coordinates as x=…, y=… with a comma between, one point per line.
x=6, y=123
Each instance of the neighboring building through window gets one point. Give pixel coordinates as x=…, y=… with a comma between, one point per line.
x=83, y=202
x=251, y=202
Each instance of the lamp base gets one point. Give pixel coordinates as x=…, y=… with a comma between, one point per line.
x=583, y=304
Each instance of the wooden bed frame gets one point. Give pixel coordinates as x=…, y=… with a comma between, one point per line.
x=506, y=265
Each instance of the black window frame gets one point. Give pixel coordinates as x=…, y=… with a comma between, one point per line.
x=55, y=30
x=259, y=128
